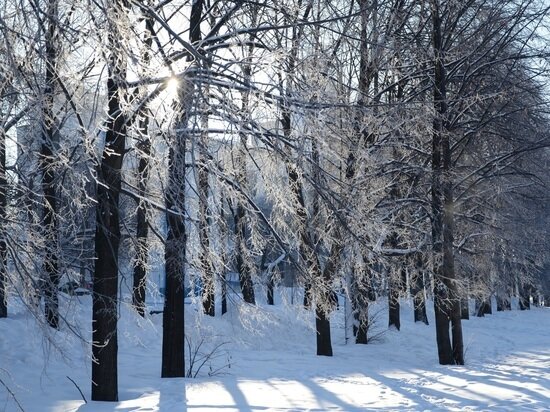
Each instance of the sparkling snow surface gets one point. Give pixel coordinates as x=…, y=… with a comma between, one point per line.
x=272, y=364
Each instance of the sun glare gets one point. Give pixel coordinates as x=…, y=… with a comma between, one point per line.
x=172, y=86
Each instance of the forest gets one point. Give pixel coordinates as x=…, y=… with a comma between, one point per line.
x=160, y=157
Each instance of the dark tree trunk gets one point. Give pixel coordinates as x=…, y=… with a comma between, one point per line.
x=47, y=164
x=269, y=279
x=142, y=229
x=393, y=303
x=524, y=301
x=107, y=238
x=207, y=267
x=173, y=320
x=243, y=268
x=224, y=239
x=224, y=294
x=142, y=249
x=316, y=280
x=394, y=281
x=3, y=245
x=270, y=289
x=446, y=299
x=173, y=334
x=307, y=250
x=483, y=307
x=418, y=295
x=322, y=326
x=360, y=306
x=362, y=327
x=464, y=309
x=207, y=272
x=307, y=295
x=503, y=303
x=362, y=289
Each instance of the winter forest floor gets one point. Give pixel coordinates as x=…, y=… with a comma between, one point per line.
x=268, y=363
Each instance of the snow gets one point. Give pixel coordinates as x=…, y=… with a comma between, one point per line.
x=268, y=363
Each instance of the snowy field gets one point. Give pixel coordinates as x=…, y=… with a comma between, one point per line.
x=266, y=362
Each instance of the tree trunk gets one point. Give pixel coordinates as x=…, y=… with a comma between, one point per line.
x=322, y=327
x=107, y=238
x=360, y=306
x=464, y=308
x=270, y=290
x=503, y=303
x=3, y=245
x=142, y=249
x=47, y=164
x=483, y=307
x=224, y=294
x=203, y=186
x=524, y=301
x=243, y=266
x=224, y=241
x=142, y=229
x=270, y=283
x=207, y=272
x=418, y=295
x=173, y=333
x=245, y=278
x=363, y=291
x=446, y=300
x=173, y=319
x=393, y=303
x=307, y=295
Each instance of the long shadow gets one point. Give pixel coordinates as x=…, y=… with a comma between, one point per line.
x=173, y=395
x=421, y=396
x=421, y=392
x=239, y=399
x=323, y=396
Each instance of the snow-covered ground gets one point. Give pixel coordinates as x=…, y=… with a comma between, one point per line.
x=268, y=363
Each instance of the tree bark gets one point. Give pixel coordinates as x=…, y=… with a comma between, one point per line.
x=393, y=303
x=173, y=319
x=224, y=237
x=243, y=269
x=524, y=298
x=173, y=333
x=503, y=303
x=446, y=300
x=107, y=238
x=483, y=307
x=307, y=251
x=3, y=245
x=207, y=272
x=47, y=164
x=142, y=229
x=464, y=308
x=418, y=294
x=142, y=232
x=360, y=306
x=270, y=284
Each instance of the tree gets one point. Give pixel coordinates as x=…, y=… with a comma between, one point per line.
x=107, y=237
x=47, y=164
x=142, y=225
x=446, y=299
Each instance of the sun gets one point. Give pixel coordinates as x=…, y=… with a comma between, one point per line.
x=172, y=86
